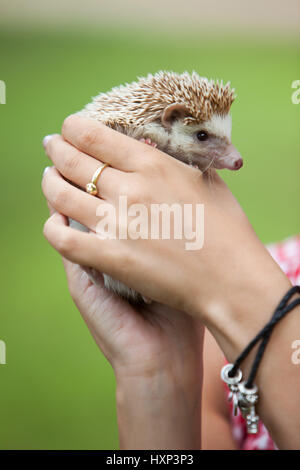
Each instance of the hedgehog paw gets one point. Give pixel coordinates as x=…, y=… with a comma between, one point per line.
x=149, y=142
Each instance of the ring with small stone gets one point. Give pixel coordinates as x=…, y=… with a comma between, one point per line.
x=91, y=187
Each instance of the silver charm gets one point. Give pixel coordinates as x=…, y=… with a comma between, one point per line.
x=232, y=383
x=247, y=399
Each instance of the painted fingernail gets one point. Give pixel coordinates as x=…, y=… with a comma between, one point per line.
x=46, y=169
x=46, y=139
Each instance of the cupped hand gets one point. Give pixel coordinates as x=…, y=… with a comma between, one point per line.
x=156, y=354
x=211, y=281
x=141, y=340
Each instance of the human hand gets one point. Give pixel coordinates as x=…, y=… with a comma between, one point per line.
x=219, y=278
x=156, y=353
x=140, y=340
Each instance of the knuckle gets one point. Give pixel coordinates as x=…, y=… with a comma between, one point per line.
x=67, y=124
x=135, y=194
x=59, y=197
x=152, y=165
x=66, y=243
x=70, y=164
x=89, y=137
x=139, y=191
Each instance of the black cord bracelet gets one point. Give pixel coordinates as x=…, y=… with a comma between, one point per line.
x=276, y=318
x=279, y=313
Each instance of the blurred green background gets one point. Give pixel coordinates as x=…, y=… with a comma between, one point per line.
x=56, y=390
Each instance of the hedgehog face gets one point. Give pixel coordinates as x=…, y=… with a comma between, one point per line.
x=206, y=145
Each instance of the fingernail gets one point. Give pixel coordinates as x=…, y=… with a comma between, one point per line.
x=46, y=139
x=46, y=169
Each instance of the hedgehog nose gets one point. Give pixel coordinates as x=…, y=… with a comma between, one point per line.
x=238, y=164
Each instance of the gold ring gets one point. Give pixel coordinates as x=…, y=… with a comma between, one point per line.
x=91, y=187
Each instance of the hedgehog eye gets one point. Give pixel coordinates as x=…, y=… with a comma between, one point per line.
x=202, y=135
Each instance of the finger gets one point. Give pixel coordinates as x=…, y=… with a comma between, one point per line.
x=79, y=167
x=51, y=208
x=73, y=271
x=85, y=249
x=71, y=201
x=104, y=143
x=77, y=277
x=75, y=274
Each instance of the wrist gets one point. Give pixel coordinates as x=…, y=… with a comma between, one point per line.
x=236, y=316
x=159, y=411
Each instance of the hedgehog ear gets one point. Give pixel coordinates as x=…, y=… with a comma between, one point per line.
x=172, y=112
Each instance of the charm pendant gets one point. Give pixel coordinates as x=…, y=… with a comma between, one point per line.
x=232, y=383
x=242, y=397
x=233, y=396
x=247, y=398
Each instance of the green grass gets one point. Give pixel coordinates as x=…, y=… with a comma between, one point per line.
x=57, y=390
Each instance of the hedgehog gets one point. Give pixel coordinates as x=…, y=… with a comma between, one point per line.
x=184, y=115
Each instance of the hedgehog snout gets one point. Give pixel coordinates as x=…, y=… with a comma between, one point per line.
x=230, y=159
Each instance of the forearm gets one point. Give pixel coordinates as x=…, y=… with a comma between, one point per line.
x=278, y=378
x=157, y=412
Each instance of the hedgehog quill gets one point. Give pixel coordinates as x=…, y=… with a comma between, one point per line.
x=184, y=115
